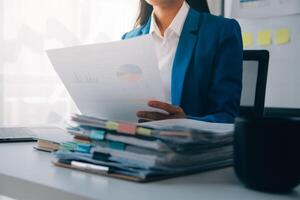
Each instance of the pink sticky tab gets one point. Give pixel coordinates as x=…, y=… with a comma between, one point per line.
x=127, y=128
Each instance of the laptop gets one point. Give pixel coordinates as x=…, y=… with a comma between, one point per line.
x=255, y=71
x=30, y=134
x=16, y=134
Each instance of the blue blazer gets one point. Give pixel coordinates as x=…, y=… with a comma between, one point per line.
x=207, y=69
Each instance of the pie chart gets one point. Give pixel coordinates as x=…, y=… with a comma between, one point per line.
x=129, y=73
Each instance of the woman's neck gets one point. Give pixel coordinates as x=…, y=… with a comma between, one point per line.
x=165, y=14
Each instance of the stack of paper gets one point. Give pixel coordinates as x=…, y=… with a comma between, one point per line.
x=146, y=152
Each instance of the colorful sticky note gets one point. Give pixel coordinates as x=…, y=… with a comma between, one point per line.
x=70, y=146
x=100, y=156
x=143, y=131
x=117, y=145
x=247, y=39
x=127, y=128
x=112, y=125
x=83, y=148
x=282, y=36
x=73, y=128
x=264, y=38
x=97, y=135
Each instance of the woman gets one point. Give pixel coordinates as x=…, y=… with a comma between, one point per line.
x=200, y=60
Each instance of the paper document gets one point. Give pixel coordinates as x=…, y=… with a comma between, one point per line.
x=57, y=135
x=192, y=124
x=111, y=80
x=189, y=146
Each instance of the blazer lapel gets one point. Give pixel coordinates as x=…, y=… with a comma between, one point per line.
x=184, y=54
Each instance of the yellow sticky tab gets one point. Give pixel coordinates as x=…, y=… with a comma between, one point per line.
x=265, y=38
x=143, y=131
x=282, y=36
x=247, y=39
x=112, y=126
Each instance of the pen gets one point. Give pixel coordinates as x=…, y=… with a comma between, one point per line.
x=86, y=166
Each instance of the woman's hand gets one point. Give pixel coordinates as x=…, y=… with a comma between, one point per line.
x=173, y=112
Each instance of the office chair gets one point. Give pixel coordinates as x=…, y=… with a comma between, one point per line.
x=255, y=72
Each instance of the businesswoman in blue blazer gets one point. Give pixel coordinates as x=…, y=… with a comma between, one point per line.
x=200, y=60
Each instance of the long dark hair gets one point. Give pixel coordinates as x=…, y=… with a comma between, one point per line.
x=146, y=10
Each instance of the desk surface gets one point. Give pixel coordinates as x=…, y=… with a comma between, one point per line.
x=28, y=174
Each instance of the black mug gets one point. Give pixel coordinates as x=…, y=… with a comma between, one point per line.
x=267, y=153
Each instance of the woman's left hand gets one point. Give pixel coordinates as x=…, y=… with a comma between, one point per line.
x=173, y=112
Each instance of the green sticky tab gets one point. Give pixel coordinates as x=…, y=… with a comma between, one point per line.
x=117, y=145
x=83, y=148
x=112, y=125
x=143, y=131
x=97, y=135
x=70, y=146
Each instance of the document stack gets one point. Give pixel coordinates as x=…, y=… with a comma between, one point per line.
x=146, y=152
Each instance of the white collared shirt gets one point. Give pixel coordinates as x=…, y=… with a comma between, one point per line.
x=166, y=45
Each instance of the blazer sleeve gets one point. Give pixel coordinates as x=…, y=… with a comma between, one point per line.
x=124, y=36
x=225, y=91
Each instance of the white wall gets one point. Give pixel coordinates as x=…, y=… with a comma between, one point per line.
x=284, y=69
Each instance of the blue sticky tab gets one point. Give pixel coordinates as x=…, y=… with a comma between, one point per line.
x=83, y=148
x=117, y=145
x=97, y=135
x=73, y=128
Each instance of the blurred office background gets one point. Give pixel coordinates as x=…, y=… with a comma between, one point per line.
x=30, y=91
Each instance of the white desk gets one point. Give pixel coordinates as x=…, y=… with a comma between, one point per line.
x=27, y=174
